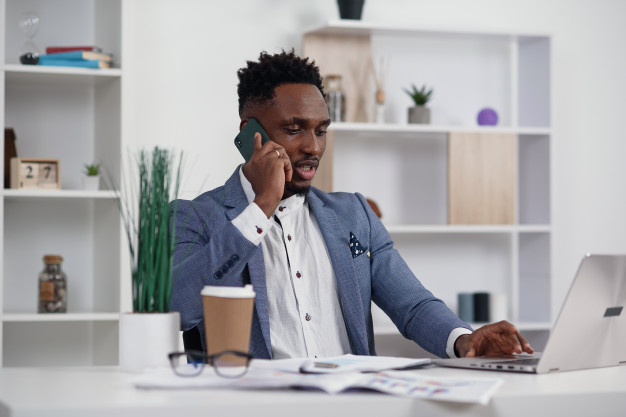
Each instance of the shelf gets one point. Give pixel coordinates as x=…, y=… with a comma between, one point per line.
x=416, y=128
x=57, y=194
x=75, y=115
x=416, y=173
x=349, y=27
x=482, y=229
x=63, y=75
x=59, y=317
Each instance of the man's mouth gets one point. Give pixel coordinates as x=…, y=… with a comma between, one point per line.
x=306, y=170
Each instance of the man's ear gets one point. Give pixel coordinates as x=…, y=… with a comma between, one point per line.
x=243, y=123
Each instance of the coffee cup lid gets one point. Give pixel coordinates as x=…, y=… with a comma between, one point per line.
x=229, y=292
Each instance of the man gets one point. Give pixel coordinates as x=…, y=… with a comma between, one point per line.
x=316, y=260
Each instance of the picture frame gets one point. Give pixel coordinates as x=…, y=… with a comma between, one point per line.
x=35, y=173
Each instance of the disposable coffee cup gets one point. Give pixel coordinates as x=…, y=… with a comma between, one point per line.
x=227, y=317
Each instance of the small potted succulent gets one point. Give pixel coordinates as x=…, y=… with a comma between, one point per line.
x=420, y=96
x=91, y=177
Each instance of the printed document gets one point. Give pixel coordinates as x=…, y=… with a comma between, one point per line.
x=285, y=374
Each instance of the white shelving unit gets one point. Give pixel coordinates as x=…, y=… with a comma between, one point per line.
x=74, y=115
x=403, y=168
x=57, y=194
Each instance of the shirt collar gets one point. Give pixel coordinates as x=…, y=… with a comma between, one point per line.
x=286, y=206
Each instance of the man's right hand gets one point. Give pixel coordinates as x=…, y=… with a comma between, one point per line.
x=267, y=170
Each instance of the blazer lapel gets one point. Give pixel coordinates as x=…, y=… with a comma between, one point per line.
x=236, y=200
x=337, y=240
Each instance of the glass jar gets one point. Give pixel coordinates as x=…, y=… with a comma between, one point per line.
x=52, y=286
x=335, y=99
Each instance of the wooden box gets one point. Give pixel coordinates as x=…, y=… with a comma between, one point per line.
x=37, y=173
x=481, y=178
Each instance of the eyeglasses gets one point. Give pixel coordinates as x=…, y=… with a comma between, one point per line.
x=227, y=364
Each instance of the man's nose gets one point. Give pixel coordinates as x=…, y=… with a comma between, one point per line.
x=311, y=144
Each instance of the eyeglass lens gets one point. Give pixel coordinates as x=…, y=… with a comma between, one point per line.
x=230, y=364
x=226, y=364
x=188, y=364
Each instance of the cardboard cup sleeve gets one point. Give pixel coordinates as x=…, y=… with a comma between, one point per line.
x=227, y=317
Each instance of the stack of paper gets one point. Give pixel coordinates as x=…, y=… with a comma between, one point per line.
x=285, y=374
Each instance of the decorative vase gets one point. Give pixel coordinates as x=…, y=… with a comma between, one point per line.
x=91, y=182
x=335, y=99
x=487, y=117
x=145, y=339
x=380, y=106
x=350, y=9
x=419, y=115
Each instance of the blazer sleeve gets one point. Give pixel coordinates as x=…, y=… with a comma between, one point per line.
x=209, y=250
x=416, y=312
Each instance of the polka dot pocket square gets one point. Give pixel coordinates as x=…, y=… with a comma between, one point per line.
x=356, y=248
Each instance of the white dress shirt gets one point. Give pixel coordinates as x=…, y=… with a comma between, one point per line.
x=304, y=310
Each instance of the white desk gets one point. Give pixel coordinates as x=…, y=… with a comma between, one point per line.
x=80, y=392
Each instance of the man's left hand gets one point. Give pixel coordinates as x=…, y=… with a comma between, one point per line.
x=495, y=339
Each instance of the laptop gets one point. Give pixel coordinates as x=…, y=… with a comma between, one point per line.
x=589, y=332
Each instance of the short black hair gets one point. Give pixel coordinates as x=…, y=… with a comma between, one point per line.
x=258, y=80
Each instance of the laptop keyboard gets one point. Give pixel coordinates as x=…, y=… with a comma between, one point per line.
x=522, y=362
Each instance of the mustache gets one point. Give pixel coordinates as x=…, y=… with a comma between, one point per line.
x=307, y=161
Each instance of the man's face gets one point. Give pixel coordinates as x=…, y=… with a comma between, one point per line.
x=297, y=120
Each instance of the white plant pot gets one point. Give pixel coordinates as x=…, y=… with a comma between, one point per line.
x=146, y=339
x=91, y=182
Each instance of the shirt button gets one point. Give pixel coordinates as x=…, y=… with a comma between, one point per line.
x=289, y=238
x=298, y=274
x=281, y=208
x=258, y=230
x=307, y=317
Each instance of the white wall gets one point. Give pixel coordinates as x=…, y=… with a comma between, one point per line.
x=181, y=90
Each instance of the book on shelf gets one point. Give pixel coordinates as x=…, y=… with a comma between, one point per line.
x=81, y=63
x=57, y=49
x=79, y=55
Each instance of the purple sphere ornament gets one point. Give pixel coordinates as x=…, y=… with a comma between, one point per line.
x=487, y=117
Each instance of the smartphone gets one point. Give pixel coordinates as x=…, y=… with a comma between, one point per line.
x=245, y=139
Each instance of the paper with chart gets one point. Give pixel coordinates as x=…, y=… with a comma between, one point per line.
x=277, y=374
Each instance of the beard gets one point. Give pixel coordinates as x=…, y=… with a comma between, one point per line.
x=291, y=189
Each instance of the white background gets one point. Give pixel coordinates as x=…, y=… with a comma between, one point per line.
x=181, y=90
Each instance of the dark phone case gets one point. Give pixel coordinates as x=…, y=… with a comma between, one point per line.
x=245, y=139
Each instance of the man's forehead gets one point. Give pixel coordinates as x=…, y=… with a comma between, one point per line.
x=291, y=101
x=299, y=98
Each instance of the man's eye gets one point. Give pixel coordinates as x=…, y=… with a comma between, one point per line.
x=293, y=131
x=320, y=132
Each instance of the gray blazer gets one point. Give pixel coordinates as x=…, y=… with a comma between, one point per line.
x=210, y=250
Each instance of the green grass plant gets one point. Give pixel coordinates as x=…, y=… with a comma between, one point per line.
x=146, y=217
